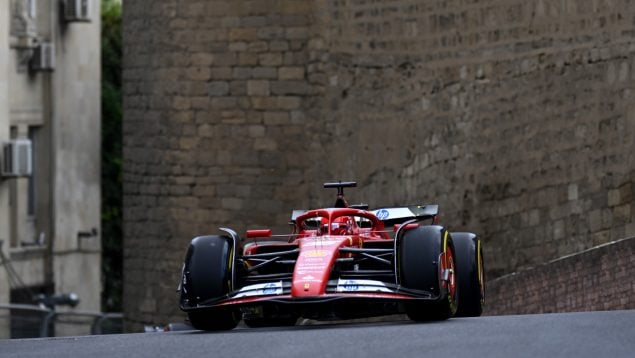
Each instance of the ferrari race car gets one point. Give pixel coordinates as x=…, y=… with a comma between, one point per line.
x=342, y=262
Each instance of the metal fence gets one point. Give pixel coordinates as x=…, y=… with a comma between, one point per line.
x=31, y=321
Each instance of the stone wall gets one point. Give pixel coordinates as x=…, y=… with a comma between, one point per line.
x=601, y=278
x=514, y=116
x=215, y=96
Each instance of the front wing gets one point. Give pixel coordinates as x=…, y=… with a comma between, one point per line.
x=279, y=292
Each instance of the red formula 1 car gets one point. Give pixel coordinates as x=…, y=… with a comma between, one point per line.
x=342, y=262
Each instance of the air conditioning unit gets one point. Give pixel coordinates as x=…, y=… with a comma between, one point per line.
x=43, y=58
x=77, y=10
x=17, y=158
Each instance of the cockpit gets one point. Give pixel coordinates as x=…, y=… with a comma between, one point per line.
x=337, y=221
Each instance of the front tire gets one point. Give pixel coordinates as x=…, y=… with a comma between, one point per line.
x=426, y=254
x=469, y=256
x=207, y=275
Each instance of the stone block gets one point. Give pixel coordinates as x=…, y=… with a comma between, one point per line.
x=258, y=46
x=205, y=130
x=290, y=88
x=247, y=59
x=244, y=103
x=626, y=192
x=291, y=73
x=265, y=144
x=572, y=192
x=265, y=72
x=243, y=34
x=194, y=88
x=258, y=88
x=198, y=73
x=253, y=21
x=226, y=59
x=264, y=102
x=275, y=118
x=253, y=117
x=298, y=117
x=289, y=102
x=238, y=88
x=232, y=203
x=181, y=103
x=238, y=46
x=297, y=45
x=614, y=197
x=271, y=33
x=294, y=7
x=218, y=88
x=200, y=103
x=188, y=142
x=278, y=46
x=256, y=131
x=242, y=73
x=270, y=59
x=595, y=220
x=297, y=33
x=622, y=214
x=202, y=59
x=559, y=230
x=224, y=102
x=290, y=20
x=221, y=73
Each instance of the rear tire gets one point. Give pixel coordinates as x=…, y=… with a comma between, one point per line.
x=207, y=274
x=470, y=278
x=419, y=253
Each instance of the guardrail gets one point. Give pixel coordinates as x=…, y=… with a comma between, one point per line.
x=32, y=321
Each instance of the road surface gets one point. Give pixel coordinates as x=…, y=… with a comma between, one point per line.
x=588, y=334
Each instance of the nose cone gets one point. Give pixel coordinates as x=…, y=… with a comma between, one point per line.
x=314, y=264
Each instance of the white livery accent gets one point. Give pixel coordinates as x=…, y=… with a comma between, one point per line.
x=361, y=286
x=261, y=289
x=393, y=213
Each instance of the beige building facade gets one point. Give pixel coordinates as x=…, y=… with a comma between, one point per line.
x=50, y=134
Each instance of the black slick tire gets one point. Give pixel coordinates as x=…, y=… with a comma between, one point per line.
x=419, y=252
x=207, y=274
x=470, y=276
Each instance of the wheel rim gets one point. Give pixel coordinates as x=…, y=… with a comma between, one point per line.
x=449, y=282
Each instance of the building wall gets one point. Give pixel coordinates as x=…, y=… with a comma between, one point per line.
x=601, y=278
x=52, y=232
x=4, y=135
x=514, y=116
x=76, y=139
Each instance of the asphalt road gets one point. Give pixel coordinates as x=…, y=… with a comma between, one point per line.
x=589, y=334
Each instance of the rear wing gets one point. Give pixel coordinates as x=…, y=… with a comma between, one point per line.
x=397, y=215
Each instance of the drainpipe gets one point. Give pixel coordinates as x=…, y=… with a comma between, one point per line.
x=49, y=112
